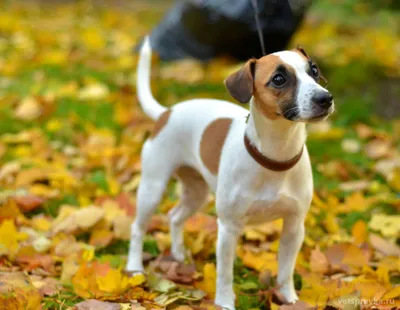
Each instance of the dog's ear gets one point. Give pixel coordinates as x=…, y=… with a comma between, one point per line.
x=303, y=51
x=241, y=83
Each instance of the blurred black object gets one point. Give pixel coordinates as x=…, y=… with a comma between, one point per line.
x=204, y=29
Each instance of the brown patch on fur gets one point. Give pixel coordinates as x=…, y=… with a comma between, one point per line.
x=301, y=51
x=212, y=141
x=160, y=123
x=194, y=187
x=267, y=99
x=240, y=84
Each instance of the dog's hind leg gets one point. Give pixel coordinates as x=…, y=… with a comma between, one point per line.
x=194, y=196
x=154, y=180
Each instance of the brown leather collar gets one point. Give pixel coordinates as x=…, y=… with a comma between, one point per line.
x=270, y=163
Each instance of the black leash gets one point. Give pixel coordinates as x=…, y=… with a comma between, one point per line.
x=260, y=34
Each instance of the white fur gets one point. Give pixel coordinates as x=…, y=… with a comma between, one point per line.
x=150, y=105
x=245, y=191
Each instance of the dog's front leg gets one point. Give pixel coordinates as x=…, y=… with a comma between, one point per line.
x=291, y=240
x=228, y=233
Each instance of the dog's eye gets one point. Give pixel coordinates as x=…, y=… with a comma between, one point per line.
x=279, y=80
x=315, y=71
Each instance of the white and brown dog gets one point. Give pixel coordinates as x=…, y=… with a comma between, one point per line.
x=259, y=169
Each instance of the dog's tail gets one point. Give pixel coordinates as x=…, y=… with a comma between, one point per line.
x=148, y=103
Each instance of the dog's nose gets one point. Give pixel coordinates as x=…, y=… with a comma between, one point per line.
x=323, y=99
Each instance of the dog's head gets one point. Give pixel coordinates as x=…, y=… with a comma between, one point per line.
x=284, y=84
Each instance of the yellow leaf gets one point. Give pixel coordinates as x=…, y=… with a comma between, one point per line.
x=41, y=223
x=54, y=125
x=88, y=255
x=112, y=282
x=387, y=225
x=93, y=39
x=331, y=223
x=10, y=238
x=79, y=219
x=136, y=280
x=392, y=293
x=355, y=202
x=259, y=261
x=383, y=275
x=359, y=232
x=318, y=261
x=94, y=92
x=28, y=109
x=122, y=227
x=113, y=186
x=112, y=210
x=209, y=280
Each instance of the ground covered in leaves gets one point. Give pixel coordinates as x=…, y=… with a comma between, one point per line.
x=70, y=138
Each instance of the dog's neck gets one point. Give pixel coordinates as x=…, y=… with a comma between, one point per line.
x=279, y=139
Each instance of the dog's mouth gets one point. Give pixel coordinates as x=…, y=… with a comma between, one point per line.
x=318, y=117
x=294, y=115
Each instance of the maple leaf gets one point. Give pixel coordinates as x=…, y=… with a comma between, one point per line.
x=10, y=239
x=103, y=282
x=17, y=292
x=209, y=280
x=388, y=225
x=97, y=304
x=259, y=261
x=346, y=257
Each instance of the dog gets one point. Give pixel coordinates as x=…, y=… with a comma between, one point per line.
x=256, y=162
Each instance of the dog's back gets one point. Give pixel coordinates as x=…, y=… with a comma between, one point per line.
x=198, y=124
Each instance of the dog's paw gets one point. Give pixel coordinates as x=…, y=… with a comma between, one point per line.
x=178, y=254
x=130, y=273
x=225, y=303
x=290, y=295
x=225, y=307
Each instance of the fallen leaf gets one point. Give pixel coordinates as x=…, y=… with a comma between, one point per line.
x=101, y=237
x=359, y=232
x=10, y=239
x=377, y=148
x=17, y=292
x=209, y=279
x=29, y=202
x=355, y=186
x=318, y=262
x=364, y=131
x=46, y=286
x=387, y=225
x=347, y=302
x=298, y=305
x=351, y=145
x=31, y=262
x=28, y=109
x=259, y=261
x=122, y=227
x=93, y=92
x=346, y=257
x=81, y=219
x=384, y=246
x=355, y=202
x=92, y=304
x=101, y=281
x=392, y=293
x=173, y=270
